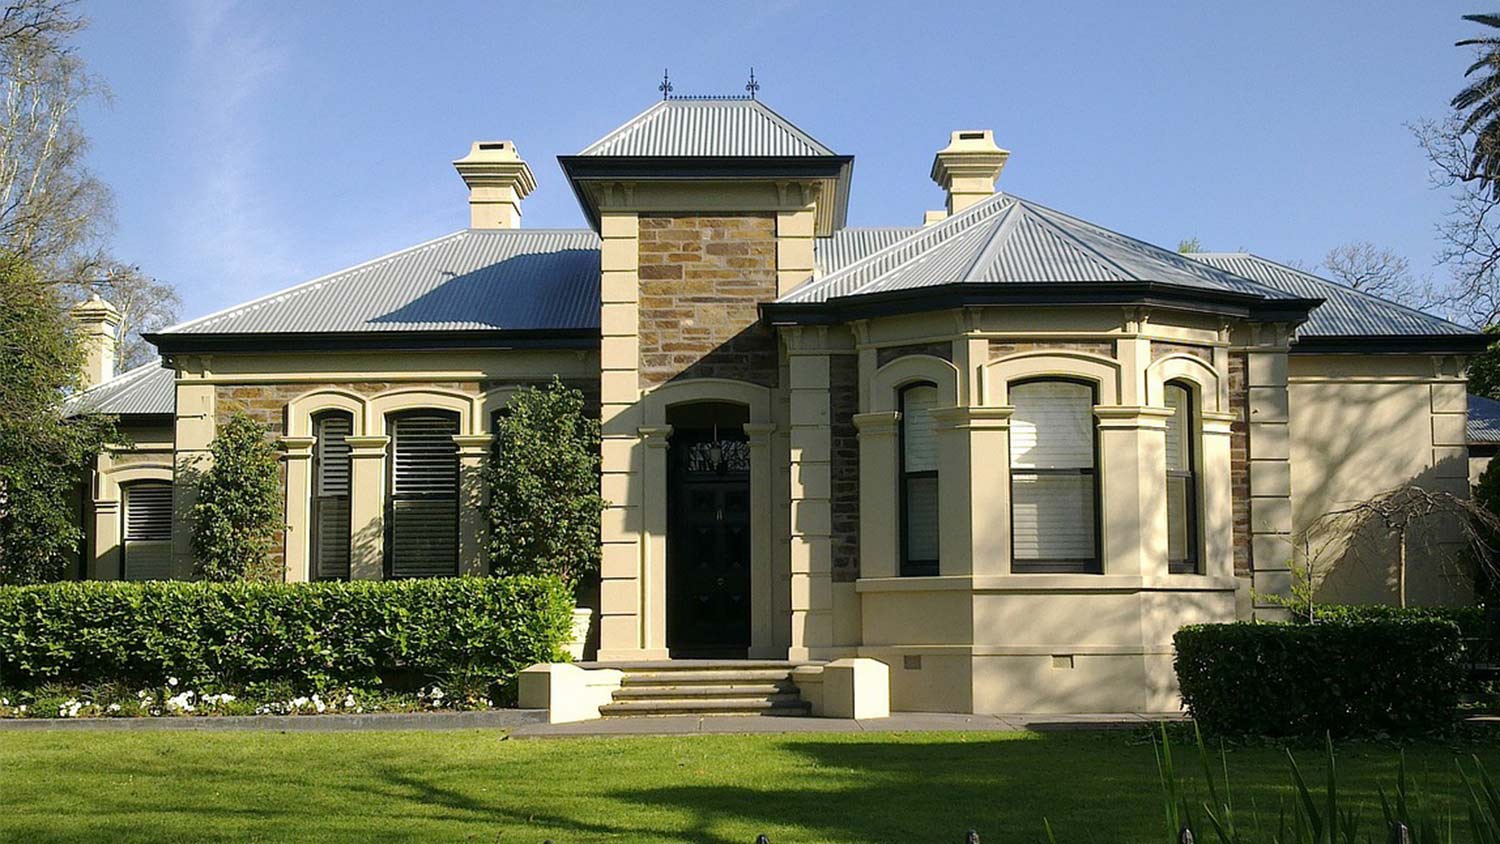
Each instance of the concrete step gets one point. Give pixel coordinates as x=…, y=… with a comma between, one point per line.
x=705, y=691
x=712, y=678
x=773, y=705
x=693, y=664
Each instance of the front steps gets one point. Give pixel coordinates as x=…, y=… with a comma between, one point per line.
x=704, y=687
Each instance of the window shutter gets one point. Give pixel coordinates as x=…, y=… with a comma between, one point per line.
x=424, y=496
x=1177, y=425
x=919, y=439
x=331, y=498
x=147, y=545
x=1052, y=474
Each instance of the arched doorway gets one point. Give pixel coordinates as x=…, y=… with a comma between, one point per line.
x=708, y=531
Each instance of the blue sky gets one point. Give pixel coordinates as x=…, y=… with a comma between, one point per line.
x=255, y=145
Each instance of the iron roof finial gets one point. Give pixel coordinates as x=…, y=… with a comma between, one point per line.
x=752, y=86
x=666, y=85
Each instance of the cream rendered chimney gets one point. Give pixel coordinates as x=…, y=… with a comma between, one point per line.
x=968, y=167
x=99, y=323
x=498, y=180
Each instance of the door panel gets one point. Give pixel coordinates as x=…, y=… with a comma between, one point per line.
x=708, y=556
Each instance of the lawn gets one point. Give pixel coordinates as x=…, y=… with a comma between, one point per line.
x=477, y=786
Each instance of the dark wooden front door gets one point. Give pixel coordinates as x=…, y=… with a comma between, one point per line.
x=708, y=547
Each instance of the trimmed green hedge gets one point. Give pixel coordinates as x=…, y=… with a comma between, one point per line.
x=309, y=635
x=1357, y=677
x=1471, y=621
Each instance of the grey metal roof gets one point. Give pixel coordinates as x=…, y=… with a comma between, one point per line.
x=707, y=127
x=146, y=389
x=848, y=245
x=1484, y=420
x=506, y=279
x=1006, y=239
x=1345, y=311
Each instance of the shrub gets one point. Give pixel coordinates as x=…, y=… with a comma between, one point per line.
x=213, y=636
x=238, y=514
x=1471, y=621
x=543, y=485
x=1375, y=676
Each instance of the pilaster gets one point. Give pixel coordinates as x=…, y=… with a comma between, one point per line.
x=812, y=508
x=879, y=476
x=794, y=248
x=296, y=457
x=1269, y=462
x=625, y=549
x=473, y=557
x=105, y=560
x=1216, y=493
x=367, y=506
x=193, y=434
x=1133, y=489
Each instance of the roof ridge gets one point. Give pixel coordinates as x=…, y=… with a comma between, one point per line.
x=1356, y=291
x=1267, y=290
x=925, y=231
x=993, y=244
x=1057, y=228
x=629, y=125
x=302, y=287
x=124, y=377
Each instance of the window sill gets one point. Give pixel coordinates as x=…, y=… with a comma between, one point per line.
x=1035, y=583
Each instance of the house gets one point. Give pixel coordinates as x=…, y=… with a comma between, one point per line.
x=1006, y=452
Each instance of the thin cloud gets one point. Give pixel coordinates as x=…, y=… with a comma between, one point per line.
x=230, y=226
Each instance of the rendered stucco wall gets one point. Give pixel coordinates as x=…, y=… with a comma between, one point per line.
x=1361, y=425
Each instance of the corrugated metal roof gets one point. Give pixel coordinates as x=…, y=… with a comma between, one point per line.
x=848, y=245
x=146, y=389
x=1484, y=420
x=1006, y=239
x=708, y=127
x=506, y=279
x=1345, y=311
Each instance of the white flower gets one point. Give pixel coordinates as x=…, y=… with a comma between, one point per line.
x=437, y=693
x=69, y=708
x=4, y=701
x=172, y=681
x=142, y=694
x=181, y=703
x=21, y=708
x=113, y=707
x=349, y=702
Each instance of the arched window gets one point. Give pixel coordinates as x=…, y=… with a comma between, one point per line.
x=146, y=549
x=1054, y=488
x=330, y=504
x=422, y=527
x=1182, y=481
x=919, y=481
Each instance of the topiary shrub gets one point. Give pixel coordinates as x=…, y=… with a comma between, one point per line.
x=1353, y=677
x=307, y=636
x=238, y=514
x=543, y=485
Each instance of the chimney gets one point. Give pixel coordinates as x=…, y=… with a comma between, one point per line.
x=99, y=323
x=968, y=167
x=498, y=180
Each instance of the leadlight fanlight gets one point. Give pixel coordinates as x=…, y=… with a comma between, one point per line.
x=1053, y=479
x=919, y=481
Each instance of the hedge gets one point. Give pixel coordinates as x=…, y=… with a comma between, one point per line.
x=1472, y=621
x=397, y=634
x=1339, y=677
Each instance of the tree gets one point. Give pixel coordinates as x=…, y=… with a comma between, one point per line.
x=543, y=485
x=1401, y=512
x=51, y=207
x=1484, y=368
x=238, y=514
x=1380, y=272
x=1189, y=246
x=145, y=304
x=42, y=453
x=1479, y=104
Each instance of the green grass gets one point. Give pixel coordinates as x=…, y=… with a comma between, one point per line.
x=477, y=786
